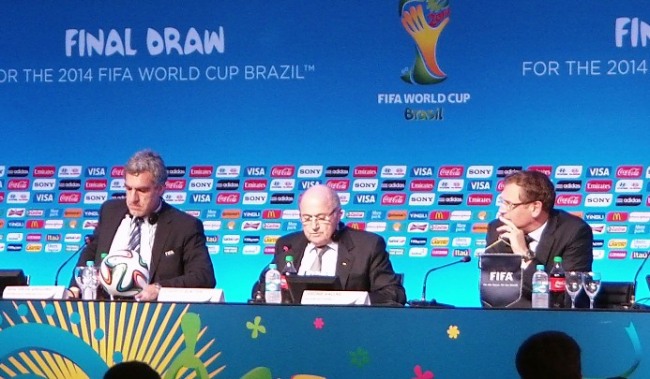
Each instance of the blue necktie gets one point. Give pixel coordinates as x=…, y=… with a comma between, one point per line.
x=134, y=238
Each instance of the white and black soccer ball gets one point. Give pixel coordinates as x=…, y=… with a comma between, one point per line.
x=122, y=273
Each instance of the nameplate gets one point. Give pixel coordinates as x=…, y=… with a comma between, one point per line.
x=33, y=292
x=191, y=295
x=335, y=297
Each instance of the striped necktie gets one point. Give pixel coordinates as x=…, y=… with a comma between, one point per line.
x=134, y=237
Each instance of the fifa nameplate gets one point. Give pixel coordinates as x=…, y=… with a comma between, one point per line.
x=191, y=295
x=33, y=292
x=335, y=298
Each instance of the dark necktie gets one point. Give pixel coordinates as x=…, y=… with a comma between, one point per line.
x=134, y=237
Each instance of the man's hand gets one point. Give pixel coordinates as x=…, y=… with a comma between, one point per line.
x=149, y=293
x=514, y=236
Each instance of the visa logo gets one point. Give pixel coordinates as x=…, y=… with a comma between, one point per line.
x=365, y=199
x=479, y=185
x=201, y=198
x=95, y=171
x=595, y=172
x=305, y=184
x=255, y=171
x=422, y=171
x=45, y=197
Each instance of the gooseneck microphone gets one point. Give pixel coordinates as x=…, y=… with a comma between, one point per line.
x=87, y=240
x=423, y=301
x=636, y=277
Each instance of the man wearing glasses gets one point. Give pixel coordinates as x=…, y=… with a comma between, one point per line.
x=529, y=226
x=326, y=247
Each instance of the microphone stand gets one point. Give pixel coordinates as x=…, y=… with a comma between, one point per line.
x=423, y=300
x=58, y=272
x=636, y=277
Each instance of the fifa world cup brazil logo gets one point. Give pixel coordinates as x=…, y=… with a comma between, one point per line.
x=424, y=21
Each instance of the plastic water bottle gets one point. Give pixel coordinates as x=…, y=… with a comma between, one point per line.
x=90, y=281
x=540, y=288
x=289, y=270
x=557, y=277
x=272, y=282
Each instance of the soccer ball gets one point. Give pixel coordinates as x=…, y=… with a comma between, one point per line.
x=122, y=273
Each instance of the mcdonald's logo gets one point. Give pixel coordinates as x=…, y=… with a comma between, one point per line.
x=439, y=215
x=35, y=224
x=357, y=225
x=617, y=216
x=273, y=214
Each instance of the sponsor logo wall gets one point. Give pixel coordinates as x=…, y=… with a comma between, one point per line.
x=414, y=124
x=424, y=212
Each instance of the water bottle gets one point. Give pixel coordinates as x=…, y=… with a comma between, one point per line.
x=90, y=281
x=289, y=270
x=540, y=288
x=557, y=278
x=272, y=283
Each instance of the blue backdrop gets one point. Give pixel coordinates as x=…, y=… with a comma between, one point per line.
x=312, y=86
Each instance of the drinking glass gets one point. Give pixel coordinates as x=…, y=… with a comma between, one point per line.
x=591, y=284
x=573, y=285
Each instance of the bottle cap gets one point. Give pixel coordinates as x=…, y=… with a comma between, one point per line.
x=557, y=259
x=289, y=258
x=540, y=267
x=103, y=255
x=90, y=263
x=273, y=266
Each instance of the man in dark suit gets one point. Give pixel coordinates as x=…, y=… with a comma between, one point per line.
x=326, y=247
x=529, y=226
x=170, y=242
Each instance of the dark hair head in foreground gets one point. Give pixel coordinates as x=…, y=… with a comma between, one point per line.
x=549, y=355
x=131, y=370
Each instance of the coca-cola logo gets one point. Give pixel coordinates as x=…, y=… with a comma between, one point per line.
x=568, y=200
x=18, y=184
x=228, y=198
x=117, y=172
x=70, y=197
x=175, y=184
x=629, y=171
x=282, y=171
x=339, y=184
x=393, y=199
x=450, y=171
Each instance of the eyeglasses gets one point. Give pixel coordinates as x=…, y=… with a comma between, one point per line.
x=319, y=218
x=509, y=206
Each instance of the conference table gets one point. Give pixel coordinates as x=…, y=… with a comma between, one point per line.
x=81, y=339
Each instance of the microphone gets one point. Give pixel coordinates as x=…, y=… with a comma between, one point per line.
x=87, y=239
x=636, y=277
x=423, y=301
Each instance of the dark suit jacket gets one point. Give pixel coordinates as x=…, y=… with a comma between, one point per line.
x=188, y=266
x=565, y=235
x=363, y=263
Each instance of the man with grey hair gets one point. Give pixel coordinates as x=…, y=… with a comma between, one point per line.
x=326, y=247
x=170, y=242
